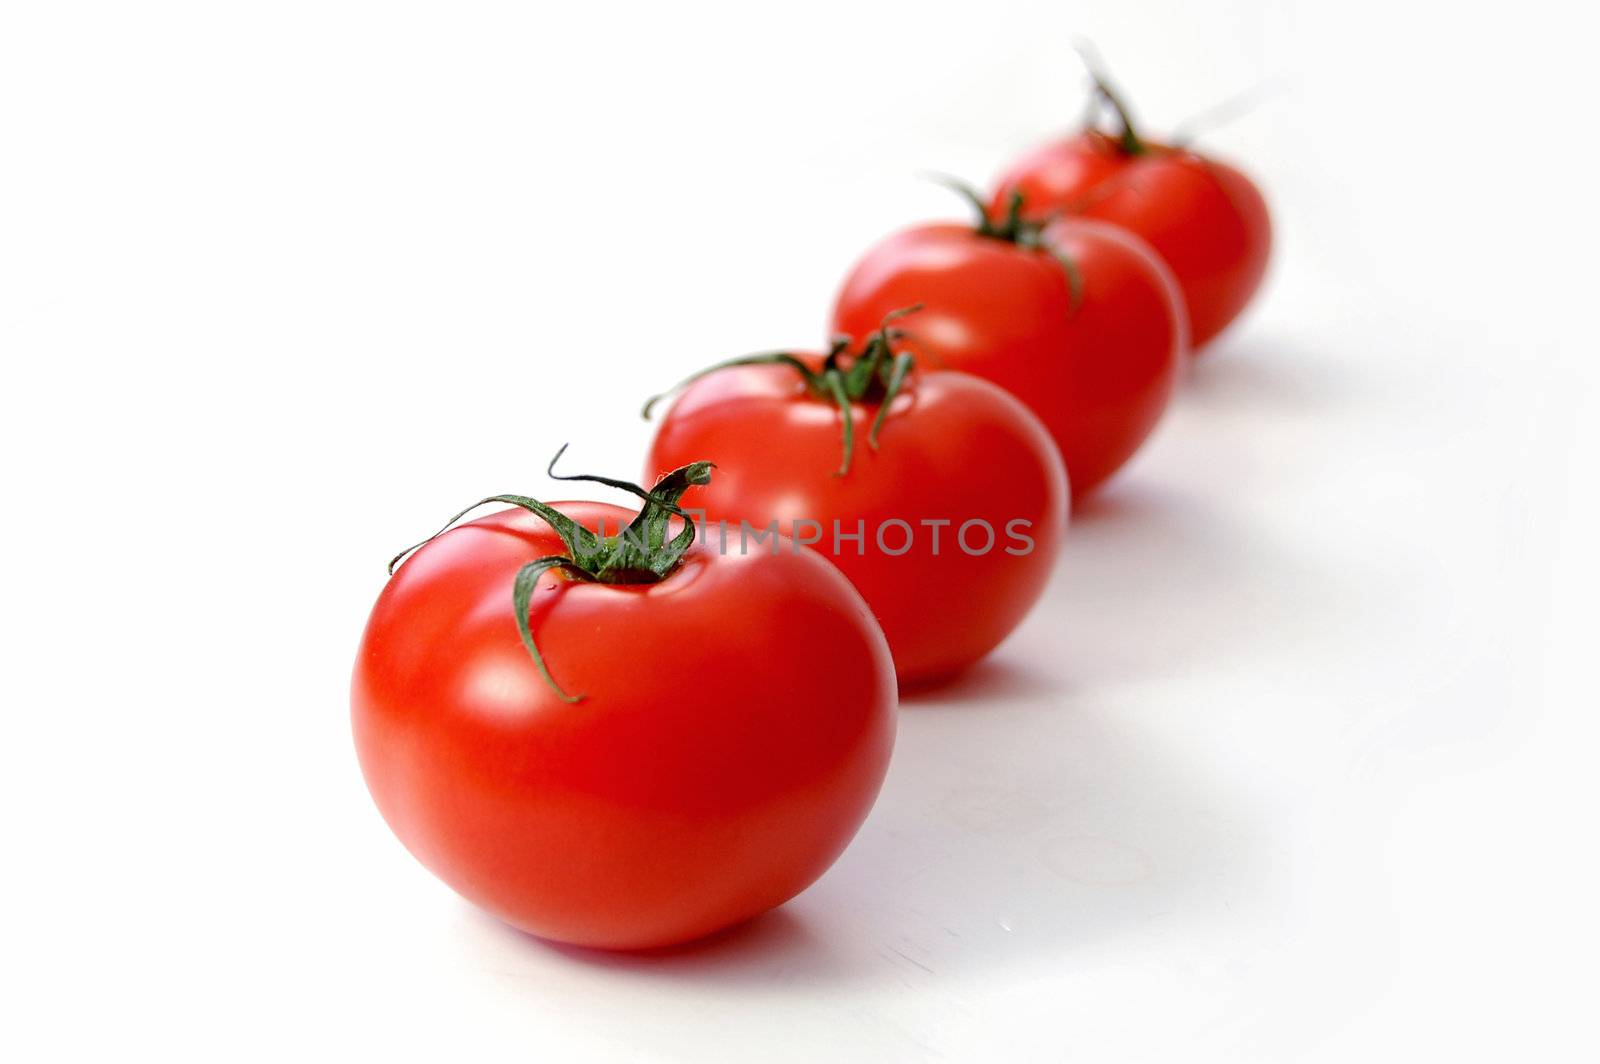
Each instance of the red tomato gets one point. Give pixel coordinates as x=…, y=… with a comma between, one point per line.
x=1098, y=366
x=1204, y=218
x=735, y=725
x=955, y=453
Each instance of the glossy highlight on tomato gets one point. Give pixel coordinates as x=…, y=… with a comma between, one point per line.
x=732, y=725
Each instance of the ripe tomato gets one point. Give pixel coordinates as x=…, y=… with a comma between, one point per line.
x=956, y=455
x=1204, y=218
x=1095, y=352
x=735, y=722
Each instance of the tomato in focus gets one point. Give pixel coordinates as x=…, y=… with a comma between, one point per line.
x=734, y=726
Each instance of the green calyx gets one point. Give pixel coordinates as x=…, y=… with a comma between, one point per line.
x=1128, y=141
x=1015, y=228
x=874, y=375
x=641, y=553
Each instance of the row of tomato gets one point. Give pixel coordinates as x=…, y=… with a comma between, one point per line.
x=629, y=728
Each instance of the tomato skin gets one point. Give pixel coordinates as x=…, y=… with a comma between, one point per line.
x=1205, y=219
x=736, y=726
x=1098, y=371
x=953, y=447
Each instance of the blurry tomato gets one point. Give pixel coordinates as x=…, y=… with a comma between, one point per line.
x=949, y=526
x=1079, y=320
x=1205, y=219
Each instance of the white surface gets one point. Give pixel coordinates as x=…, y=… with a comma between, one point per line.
x=1295, y=764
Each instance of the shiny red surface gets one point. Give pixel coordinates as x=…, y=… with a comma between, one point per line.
x=736, y=727
x=1205, y=219
x=1098, y=372
x=954, y=448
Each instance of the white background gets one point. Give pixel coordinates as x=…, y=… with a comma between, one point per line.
x=1294, y=763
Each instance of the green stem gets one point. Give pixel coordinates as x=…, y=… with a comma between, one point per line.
x=834, y=380
x=1128, y=140
x=985, y=226
x=765, y=359
x=522, y=601
x=1014, y=228
x=876, y=374
x=640, y=554
x=897, y=375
